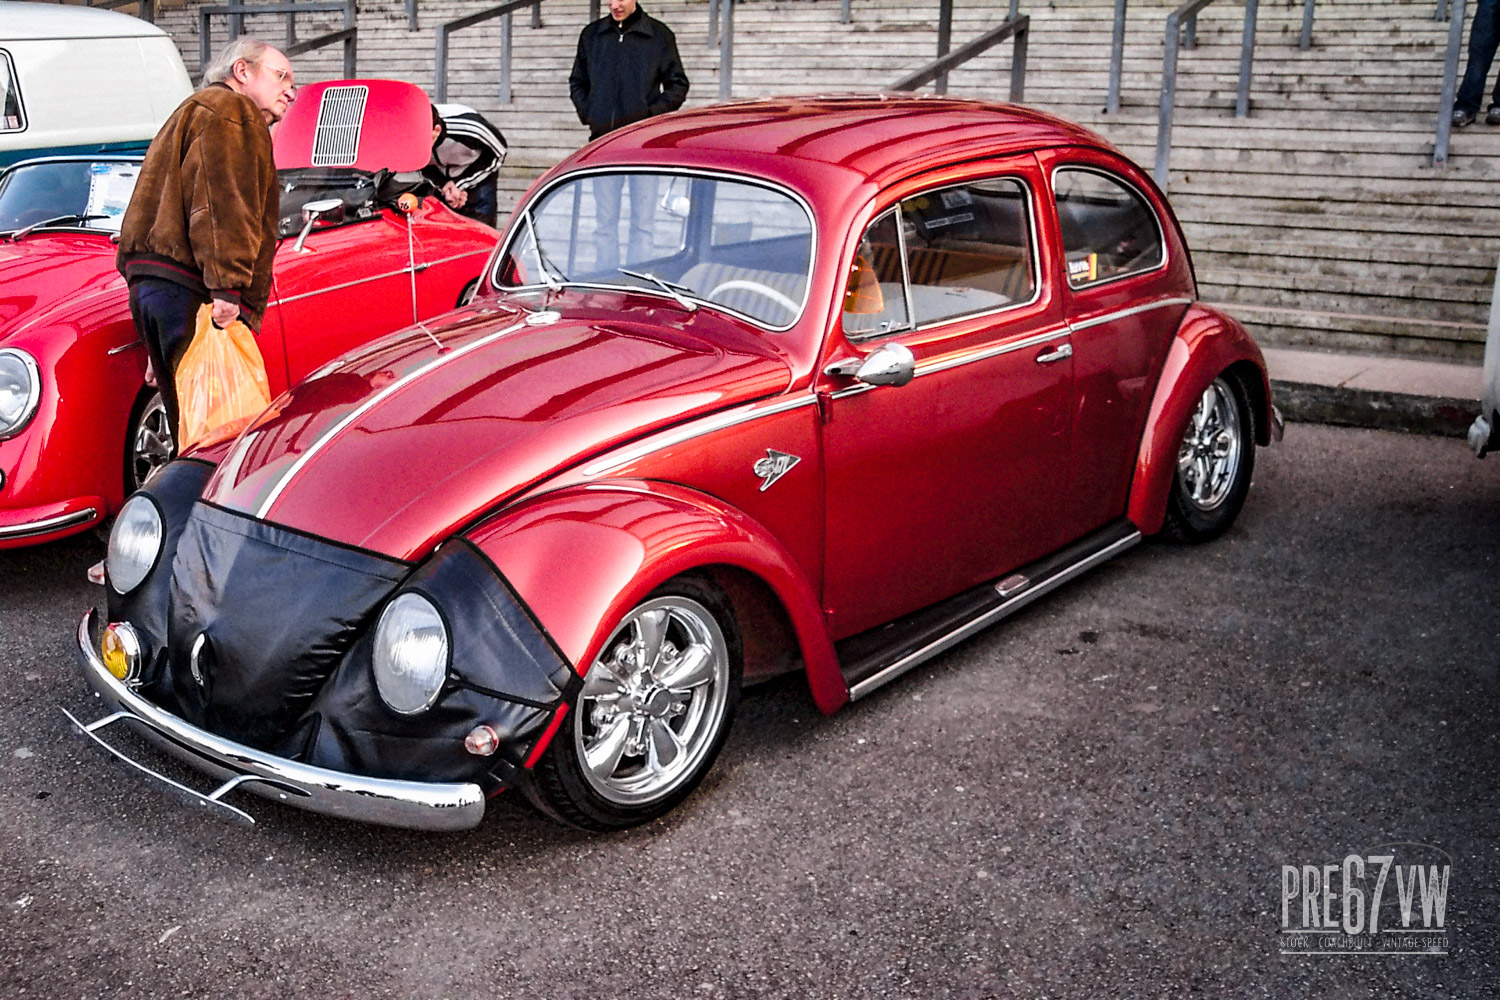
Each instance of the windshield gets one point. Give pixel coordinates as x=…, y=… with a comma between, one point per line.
x=732, y=244
x=84, y=194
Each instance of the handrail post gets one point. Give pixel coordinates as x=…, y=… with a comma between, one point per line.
x=205, y=42
x=1190, y=41
x=291, y=27
x=350, y=42
x=846, y=16
x=536, y=14
x=1247, y=60
x=1168, y=99
x=593, y=11
x=505, y=54
x=944, y=41
x=440, y=66
x=726, y=49
x=1018, y=62
x=1441, y=14
x=1307, y=21
x=411, y=15
x=713, y=23
x=1116, y=60
x=1450, y=86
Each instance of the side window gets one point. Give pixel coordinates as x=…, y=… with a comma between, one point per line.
x=968, y=249
x=1108, y=230
x=875, y=297
x=12, y=119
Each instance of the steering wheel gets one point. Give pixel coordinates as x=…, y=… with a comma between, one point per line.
x=766, y=291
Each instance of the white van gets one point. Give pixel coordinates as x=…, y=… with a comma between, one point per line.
x=82, y=80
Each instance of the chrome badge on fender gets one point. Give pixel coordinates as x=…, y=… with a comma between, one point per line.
x=775, y=465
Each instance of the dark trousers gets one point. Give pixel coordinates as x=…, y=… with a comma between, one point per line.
x=165, y=315
x=1484, y=34
x=481, y=204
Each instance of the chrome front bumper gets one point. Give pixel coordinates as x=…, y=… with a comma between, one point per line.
x=415, y=805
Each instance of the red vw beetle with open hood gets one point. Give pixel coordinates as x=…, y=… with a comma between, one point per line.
x=815, y=385
x=79, y=429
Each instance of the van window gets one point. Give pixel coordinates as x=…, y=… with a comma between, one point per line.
x=12, y=119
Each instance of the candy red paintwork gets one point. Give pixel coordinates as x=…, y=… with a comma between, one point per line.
x=594, y=457
x=62, y=301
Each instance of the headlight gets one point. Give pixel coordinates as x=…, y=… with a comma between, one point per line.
x=20, y=390
x=411, y=654
x=134, y=544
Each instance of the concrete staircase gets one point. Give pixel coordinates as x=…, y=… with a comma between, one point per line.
x=1318, y=221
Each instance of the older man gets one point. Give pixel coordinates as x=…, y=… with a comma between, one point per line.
x=201, y=226
x=626, y=69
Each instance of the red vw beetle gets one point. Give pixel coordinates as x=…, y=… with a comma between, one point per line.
x=796, y=385
x=79, y=430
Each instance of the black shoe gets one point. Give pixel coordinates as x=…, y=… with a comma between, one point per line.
x=1492, y=116
x=1463, y=119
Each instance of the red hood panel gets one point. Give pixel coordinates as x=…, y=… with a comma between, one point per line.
x=46, y=273
x=395, y=448
x=363, y=124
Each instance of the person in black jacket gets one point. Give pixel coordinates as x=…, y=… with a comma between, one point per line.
x=627, y=69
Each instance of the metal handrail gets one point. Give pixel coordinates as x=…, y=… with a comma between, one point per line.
x=440, y=67
x=1016, y=26
x=1450, y=82
x=1189, y=11
x=235, y=13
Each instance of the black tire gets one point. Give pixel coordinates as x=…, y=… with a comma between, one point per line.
x=1215, y=461
x=148, y=440
x=624, y=708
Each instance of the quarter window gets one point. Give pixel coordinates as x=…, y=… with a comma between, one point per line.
x=12, y=118
x=966, y=249
x=1108, y=230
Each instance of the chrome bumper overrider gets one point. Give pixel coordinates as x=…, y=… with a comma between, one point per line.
x=416, y=805
x=1479, y=436
x=1278, y=425
x=48, y=524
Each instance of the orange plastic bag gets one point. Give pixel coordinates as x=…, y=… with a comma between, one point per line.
x=221, y=383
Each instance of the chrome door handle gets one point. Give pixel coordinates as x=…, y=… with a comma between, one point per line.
x=1065, y=351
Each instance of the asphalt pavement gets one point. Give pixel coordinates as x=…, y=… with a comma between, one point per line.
x=1097, y=798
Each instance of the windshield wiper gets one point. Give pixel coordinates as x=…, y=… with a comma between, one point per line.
x=53, y=222
x=671, y=288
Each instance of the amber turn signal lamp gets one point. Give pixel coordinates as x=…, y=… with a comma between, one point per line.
x=121, y=651
x=863, y=297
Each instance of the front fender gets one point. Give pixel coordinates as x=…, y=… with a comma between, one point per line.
x=583, y=556
x=1208, y=344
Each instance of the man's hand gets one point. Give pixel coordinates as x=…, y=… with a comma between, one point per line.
x=225, y=313
x=455, y=196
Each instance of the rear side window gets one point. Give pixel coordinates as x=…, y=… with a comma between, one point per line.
x=12, y=117
x=1108, y=229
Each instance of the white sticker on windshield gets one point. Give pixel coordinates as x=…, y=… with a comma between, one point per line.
x=110, y=186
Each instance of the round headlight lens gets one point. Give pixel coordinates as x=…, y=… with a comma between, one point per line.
x=20, y=390
x=411, y=654
x=134, y=544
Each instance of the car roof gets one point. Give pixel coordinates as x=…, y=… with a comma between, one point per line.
x=49, y=20
x=879, y=137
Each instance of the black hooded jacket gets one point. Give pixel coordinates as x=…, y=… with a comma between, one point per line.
x=625, y=72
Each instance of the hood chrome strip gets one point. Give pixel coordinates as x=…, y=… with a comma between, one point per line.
x=327, y=436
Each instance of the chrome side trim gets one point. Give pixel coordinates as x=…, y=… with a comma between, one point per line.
x=697, y=428
x=415, y=805
x=125, y=347
x=1133, y=310
x=369, y=404
x=959, y=359
x=49, y=524
x=388, y=274
x=1011, y=606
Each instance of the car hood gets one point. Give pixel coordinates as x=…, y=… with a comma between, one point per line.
x=394, y=448
x=46, y=275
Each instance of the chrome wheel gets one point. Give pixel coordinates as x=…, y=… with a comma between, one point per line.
x=653, y=703
x=151, y=444
x=1209, y=460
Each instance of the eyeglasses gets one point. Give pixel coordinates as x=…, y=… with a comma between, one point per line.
x=283, y=76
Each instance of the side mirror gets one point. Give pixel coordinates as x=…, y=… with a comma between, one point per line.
x=889, y=364
x=329, y=210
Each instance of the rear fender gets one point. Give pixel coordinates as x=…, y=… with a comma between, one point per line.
x=581, y=557
x=1208, y=344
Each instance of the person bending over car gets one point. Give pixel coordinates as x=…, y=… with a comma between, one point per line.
x=467, y=152
x=201, y=224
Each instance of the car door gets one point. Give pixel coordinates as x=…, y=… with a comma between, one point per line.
x=1127, y=287
x=955, y=477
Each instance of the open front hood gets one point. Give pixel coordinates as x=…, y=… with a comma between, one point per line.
x=393, y=449
x=362, y=124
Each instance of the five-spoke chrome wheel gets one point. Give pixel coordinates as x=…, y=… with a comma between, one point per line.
x=151, y=444
x=1211, y=449
x=653, y=703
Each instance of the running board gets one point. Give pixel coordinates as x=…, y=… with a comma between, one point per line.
x=878, y=656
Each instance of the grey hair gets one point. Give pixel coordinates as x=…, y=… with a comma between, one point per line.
x=249, y=49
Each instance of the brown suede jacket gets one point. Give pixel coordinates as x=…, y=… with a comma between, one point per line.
x=205, y=206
